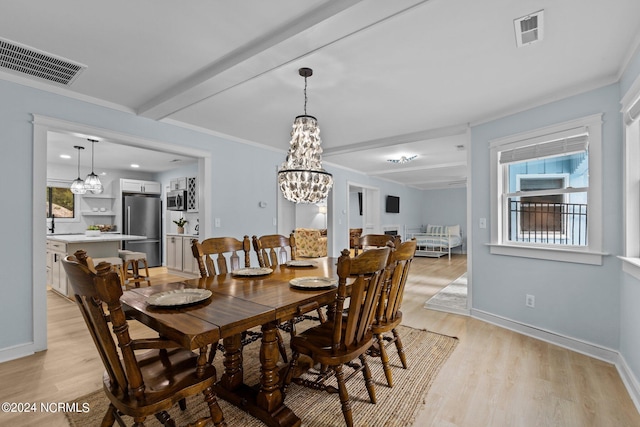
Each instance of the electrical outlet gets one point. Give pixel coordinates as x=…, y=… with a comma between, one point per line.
x=483, y=223
x=530, y=301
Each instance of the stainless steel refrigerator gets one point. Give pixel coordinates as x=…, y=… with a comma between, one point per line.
x=142, y=216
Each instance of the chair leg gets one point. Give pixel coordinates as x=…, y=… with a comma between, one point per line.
x=289, y=372
x=182, y=403
x=403, y=357
x=385, y=359
x=344, y=396
x=214, y=408
x=367, y=379
x=165, y=419
x=109, y=417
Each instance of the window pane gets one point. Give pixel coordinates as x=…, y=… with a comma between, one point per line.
x=60, y=202
x=558, y=219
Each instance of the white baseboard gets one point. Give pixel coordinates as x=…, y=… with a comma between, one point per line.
x=17, y=351
x=629, y=380
x=579, y=346
x=583, y=347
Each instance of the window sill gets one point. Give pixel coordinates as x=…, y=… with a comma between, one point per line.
x=631, y=266
x=551, y=254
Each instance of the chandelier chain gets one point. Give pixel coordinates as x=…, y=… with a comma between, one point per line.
x=305, y=95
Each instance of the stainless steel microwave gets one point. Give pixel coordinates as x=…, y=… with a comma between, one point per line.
x=177, y=200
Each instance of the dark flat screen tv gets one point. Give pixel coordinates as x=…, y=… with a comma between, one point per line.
x=393, y=204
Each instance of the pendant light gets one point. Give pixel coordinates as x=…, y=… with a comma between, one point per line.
x=301, y=177
x=77, y=186
x=92, y=182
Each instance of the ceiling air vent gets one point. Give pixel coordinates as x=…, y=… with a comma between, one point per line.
x=529, y=29
x=25, y=60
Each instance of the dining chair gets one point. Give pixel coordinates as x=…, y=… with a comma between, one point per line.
x=274, y=249
x=388, y=315
x=137, y=385
x=219, y=255
x=343, y=339
x=226, y=257
x=375, y=241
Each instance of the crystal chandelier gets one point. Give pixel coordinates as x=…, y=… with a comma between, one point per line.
x=301, y=177
x=77, y=186
x=92, y=182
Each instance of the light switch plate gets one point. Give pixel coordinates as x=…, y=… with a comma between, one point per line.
x=483, y=222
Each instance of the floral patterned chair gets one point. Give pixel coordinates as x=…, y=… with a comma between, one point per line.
x=310, y=243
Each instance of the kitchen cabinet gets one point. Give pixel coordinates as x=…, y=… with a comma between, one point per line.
x=56, y=275
x=139, y=186
x=174, y=253
x=179, y=256
x=192, y=194
x=189, y=263
x=178, y=184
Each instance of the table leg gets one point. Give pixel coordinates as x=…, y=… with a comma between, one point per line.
x=269, y=397
x=232, y=377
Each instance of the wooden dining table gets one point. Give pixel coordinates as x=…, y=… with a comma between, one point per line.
x=236, y=305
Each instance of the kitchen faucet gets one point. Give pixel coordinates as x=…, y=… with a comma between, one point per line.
x=53, y=224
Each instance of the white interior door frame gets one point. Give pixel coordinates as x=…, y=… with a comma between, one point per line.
x=370, y=207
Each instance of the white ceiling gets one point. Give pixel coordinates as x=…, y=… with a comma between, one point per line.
x=391, y=78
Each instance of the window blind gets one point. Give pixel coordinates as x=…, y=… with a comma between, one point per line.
x=570, y=145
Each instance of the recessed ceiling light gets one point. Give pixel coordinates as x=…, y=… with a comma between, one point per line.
x=65, y=156
x=133, y=165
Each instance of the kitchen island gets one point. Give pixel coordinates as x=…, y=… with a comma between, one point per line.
x=104, y=245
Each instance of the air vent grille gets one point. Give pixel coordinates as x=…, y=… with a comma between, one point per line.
x=529, y=29
x=21, y=59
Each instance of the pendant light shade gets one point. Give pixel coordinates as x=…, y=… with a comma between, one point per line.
x=301, y=177
x=92, y=182
x=77, y=186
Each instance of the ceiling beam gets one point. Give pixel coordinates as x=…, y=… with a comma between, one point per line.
x=272, y=51
x=390, y=141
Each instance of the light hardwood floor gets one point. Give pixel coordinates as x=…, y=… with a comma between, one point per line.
x=494, y=378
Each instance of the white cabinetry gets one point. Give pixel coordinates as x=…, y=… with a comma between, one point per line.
x=138, y=186
x=192, y=194
x=179, y=256
x=56, y=276
x=174, y=253
x=178, y=184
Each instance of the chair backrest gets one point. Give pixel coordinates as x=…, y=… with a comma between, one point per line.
x=272, y=249
x=354, y=235
x=226, y=249
x=375, y=241
x=367, y=273
x=397, y=273
x=91, y=290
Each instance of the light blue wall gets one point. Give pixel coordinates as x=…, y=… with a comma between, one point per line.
x=575, y=300
x=236, y=187
x=630, y=287
x=446, y=207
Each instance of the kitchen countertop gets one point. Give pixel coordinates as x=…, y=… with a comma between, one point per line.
x=183, y=235
x=82, y=238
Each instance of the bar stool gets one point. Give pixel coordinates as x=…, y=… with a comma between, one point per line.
x=134, y=259
x=116, y=265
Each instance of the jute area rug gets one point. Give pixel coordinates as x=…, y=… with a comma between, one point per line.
x=452, y=298
x=397, y=407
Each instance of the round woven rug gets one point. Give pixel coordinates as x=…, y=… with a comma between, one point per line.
x=397, y=406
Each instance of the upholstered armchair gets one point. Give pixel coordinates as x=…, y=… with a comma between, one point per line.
x=354, y=237
x=310, y=243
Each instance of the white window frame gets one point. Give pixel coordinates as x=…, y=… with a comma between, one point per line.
x=631, y=191
x=589, y=254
